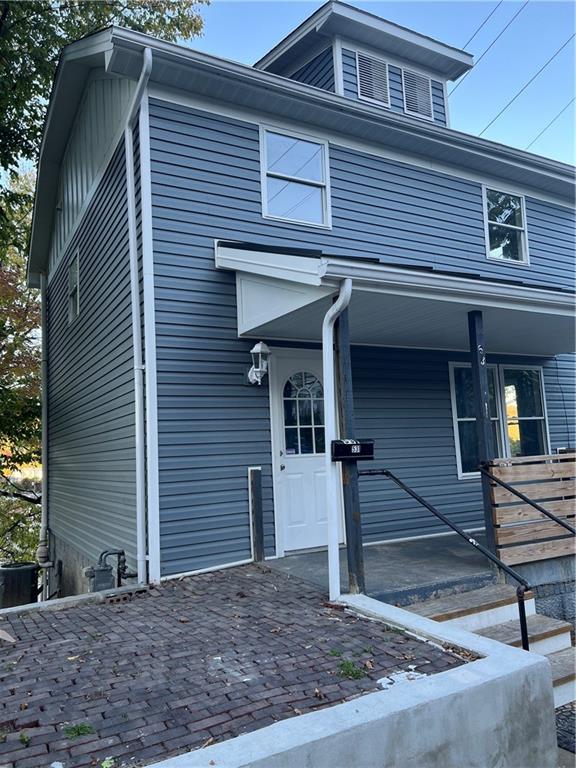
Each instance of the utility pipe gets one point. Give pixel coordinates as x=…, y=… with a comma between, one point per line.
x=139, y=429
x=330, y=410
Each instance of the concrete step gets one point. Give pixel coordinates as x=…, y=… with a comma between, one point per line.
x=477, y=609
x=564, y=676
x=546, y=635
x=417, y=594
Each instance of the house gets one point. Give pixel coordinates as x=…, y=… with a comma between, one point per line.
x=189, y=207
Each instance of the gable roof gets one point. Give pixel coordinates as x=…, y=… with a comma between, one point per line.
x=119, y=52
x=336, y=19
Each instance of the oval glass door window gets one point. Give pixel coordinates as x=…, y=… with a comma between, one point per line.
x=303, y=400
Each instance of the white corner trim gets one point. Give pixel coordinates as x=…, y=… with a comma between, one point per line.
x=152, y=472
x=338, y=67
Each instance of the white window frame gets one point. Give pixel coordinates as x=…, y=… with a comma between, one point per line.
x=408, y=112
x=73, y=305
x=385, y=104
x=323, y=186
x=501, y=409
x=538, y=368
x=455, y=420
x=523, y=230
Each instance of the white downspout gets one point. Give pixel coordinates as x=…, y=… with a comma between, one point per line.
x=332, y=476
x=139, y=431
x=43, y=551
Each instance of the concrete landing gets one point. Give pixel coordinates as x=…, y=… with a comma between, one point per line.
x=401, y=572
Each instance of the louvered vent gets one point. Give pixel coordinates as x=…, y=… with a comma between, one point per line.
x=373, y=79
x=417, y=94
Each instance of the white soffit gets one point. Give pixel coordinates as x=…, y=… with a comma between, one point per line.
x=261, y=300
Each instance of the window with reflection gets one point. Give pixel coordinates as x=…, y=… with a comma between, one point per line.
x=465, y=420
x=296, y=179
x=525, y=419
x=505, y=226
x=303, y=400
x=517, y=413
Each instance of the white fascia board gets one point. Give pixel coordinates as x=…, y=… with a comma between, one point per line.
x=385, y=279
x=296, y=269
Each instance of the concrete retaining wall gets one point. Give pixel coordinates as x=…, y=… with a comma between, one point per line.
x=496, y=711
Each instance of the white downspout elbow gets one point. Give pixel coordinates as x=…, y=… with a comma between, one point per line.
x=330, y=410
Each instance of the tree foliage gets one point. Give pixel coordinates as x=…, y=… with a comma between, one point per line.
x=32, y=35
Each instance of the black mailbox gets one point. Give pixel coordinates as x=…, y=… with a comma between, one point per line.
x=352, y=450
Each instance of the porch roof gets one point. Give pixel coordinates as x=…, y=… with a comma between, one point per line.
x=286, y=295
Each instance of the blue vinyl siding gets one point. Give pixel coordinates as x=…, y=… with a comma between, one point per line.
x=91, y=452
x=319, y=72
x=438, y=105
x=212, y=426
x=395, y=84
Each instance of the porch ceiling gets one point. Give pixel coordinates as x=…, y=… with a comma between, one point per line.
x=404, y=321
x=285, y=296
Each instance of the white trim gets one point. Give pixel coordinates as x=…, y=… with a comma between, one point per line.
x=323, y=186
x=152, y=471
x=409, y=112
x=381, y=60
x=210, y=569
x=250, y=510
x=446, y=105
x=338, y=67
x=518, y=367
x=370, y=148
x=524, y=245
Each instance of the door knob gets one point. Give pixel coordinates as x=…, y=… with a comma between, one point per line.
x=282, y=466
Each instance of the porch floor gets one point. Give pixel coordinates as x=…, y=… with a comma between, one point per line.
x=401, y=572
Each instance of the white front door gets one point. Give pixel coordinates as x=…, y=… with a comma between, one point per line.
x=299, y=448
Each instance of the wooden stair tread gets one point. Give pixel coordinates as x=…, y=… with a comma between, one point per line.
x=563, y=665
x=539, y=628
x=464, y=603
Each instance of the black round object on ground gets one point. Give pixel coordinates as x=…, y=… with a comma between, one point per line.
x=18, y=584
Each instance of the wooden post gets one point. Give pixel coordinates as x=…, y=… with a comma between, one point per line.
x=255, y=475
x=353, y=520
x=482, y=412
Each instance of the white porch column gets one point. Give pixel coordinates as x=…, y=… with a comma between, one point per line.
x=330, y=410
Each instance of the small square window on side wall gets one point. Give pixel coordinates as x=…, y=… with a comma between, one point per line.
x=74, y=288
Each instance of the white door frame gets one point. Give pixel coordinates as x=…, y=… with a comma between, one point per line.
x=276, y=427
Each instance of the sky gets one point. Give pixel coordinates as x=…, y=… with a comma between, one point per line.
x=245, y=31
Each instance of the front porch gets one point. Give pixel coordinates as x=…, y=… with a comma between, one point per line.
x=400, y=572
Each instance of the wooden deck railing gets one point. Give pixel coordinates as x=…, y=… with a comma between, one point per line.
x=522, y=533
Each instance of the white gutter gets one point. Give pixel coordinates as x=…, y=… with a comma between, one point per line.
x=330, y=409
x=139, y=431
x=43, y=551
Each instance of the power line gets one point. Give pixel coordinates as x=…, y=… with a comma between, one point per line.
x=552, y=122
x=498, y=36
x=542, y=68
x=492, y=12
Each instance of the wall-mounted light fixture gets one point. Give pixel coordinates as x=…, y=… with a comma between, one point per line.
x=260, y=354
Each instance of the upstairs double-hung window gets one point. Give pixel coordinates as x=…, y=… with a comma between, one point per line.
x=505, y=227
x=295, y=184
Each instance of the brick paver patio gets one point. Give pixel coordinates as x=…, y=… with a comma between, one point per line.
x=190, y=663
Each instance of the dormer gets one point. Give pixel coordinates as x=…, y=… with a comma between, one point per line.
x=364, y=57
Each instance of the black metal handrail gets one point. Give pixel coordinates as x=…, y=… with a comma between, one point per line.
x=484, y=469
x=523, y=585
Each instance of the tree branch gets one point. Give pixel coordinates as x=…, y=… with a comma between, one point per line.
x=18, y=495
